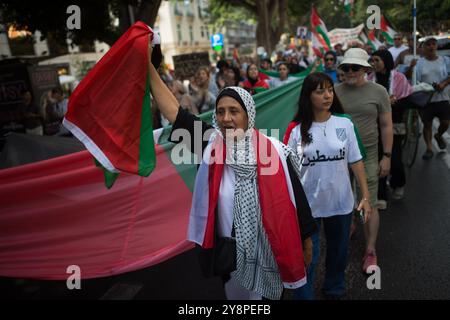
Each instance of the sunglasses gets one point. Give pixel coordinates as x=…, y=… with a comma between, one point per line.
x=353, y=67
x=329, y=59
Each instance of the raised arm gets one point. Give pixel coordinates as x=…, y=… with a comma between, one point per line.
x=165, y=100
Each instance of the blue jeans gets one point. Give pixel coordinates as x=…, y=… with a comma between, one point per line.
x=307, y=291
x=337, y=231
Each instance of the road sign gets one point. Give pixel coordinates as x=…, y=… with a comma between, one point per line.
x=217, y=41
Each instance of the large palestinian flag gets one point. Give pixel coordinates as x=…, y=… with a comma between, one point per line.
x=57, y=213
x=110, y=109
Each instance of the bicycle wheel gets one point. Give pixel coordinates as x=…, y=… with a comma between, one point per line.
x=411, y=143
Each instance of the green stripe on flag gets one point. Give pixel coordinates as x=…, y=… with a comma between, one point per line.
x=324, y=36
x=147, y=157
x=304, y=73
x=275, y=109
x=388, y=37
x=110, y=177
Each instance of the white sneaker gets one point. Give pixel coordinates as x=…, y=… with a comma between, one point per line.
x=398, y=193
x=382, y=204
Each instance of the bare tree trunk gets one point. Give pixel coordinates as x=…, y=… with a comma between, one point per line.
x=148, y=11
x=263, y=28
x=266, y=35
x=124, y=18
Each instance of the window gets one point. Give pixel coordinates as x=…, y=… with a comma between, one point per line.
x=191, y=34
x=180, y=38
x=202, y=31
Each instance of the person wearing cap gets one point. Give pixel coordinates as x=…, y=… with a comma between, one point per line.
x=435, y=70
x=250, y=217
x=368, y=104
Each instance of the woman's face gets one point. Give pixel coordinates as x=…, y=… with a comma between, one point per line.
x=202, y=77
x=378, y=64
x=329, y=61
x=231, y=117
x=253, y=72
x=322, y=97
x=230, y=78
x=265, y=65
x=284, y=71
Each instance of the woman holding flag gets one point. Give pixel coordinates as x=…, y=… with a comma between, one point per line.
x=249, y=215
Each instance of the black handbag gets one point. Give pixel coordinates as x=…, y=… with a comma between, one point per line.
x=225, y=256
x=220, y=260
x=420, y=99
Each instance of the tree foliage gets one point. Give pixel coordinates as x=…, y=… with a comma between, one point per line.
x=271, y=17
x=97, y=18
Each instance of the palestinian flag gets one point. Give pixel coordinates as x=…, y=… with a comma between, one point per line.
x=363, y=37
x=137, y=224
x=319, y=27
x=319, y=45
x=110, y=109
x=387, y=32
x=373, y=41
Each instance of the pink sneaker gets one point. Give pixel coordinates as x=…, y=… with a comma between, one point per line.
x=370, y=259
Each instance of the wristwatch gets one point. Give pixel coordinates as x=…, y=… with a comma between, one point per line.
x=387, y=154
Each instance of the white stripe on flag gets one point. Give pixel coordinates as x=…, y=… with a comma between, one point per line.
x=90, y=145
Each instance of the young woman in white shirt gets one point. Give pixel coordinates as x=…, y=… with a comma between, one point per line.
x=327, y=144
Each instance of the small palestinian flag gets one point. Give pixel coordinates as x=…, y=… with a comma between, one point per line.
x=110, y=109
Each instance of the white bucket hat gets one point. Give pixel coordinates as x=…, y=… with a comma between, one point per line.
x=356, y=56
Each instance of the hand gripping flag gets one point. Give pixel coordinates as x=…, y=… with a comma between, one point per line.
x=109, y=112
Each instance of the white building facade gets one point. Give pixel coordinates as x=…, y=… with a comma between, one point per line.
x=183, y=28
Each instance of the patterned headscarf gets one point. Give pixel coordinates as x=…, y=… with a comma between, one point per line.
x=245, y=100
x=256, y=267
x=242, y=151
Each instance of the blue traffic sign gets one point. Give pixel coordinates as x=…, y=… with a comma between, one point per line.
x=217, y=40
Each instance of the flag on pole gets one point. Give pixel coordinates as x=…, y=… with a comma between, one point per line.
x=319, y=45
x=362, y=36
x=319, y=27
x=236, y=55
x=387, y=32
x=373, y=41
x=110, y=109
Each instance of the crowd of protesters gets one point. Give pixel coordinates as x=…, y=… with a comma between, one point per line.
x=373, y=89
x=352, y=112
